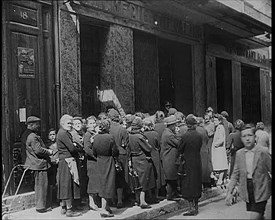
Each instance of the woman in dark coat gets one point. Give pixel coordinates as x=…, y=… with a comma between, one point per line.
x=105, y=149
x=92, y=171
x=141, y=159
x=235, y=143
x=205, y=154
x=159, y=123
x=154, y=140
x=169, y=155
x=191, y=183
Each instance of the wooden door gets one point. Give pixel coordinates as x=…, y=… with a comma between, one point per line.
x=26, y=77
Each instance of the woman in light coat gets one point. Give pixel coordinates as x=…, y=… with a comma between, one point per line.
x=219, y=158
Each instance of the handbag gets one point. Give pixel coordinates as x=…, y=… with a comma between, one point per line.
x=181, y=163
x=118, y=166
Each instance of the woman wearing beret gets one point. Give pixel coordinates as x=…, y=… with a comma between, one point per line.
x=105, y=149
x=191, y=183
x=141, y=159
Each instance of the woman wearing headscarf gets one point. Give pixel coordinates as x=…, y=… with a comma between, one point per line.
x=235, y=143
x=105, y=149
x=154, y=140
x=92, y=171
x=141, y=160
x=191, y=183
x=219, y=157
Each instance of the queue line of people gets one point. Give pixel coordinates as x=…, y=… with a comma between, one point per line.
x=136, y=157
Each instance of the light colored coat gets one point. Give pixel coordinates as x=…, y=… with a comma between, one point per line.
x=261, y=174
x=218, y=153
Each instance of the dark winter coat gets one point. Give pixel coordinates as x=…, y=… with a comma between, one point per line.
x=67, y=188
x=169, y=154
x=121, y=137
x=154, y=140
x=159, y=127
x=92, y=171
x=190, y=146
x=205, y=156
x=142, y=161
x=104, y=148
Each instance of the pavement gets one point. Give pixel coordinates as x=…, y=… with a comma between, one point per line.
x=134, y=212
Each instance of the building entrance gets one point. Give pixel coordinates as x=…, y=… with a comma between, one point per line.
x=251, y=96
x=175, y=75
x=91, y=44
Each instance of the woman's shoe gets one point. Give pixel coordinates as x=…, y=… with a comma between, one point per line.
x=145, y=206
x=94, y=208
x=106, y=215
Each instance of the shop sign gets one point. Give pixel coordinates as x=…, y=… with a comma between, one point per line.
x=26, y=63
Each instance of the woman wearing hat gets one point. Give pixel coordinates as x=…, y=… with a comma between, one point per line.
x=235, y=143
x=191, y=184
x=141, y=159
x=169, y=154
x=105, y=149
x=154, y=140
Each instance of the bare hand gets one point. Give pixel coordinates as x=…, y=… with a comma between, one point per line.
x=228, y=199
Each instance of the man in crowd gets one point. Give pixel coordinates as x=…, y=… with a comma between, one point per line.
x=37, y=159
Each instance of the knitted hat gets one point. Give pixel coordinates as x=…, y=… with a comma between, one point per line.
x=170, y=120
x=113, y=114
x=191, y=119
x=137, y=123
x=172, y=111
x=224, y=114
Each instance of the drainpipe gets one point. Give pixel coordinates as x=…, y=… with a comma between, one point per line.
x=57, y=59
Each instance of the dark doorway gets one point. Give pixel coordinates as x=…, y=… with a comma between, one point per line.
x=224, y=87
x=175, y=75
x=251, y=96
x=91, y=43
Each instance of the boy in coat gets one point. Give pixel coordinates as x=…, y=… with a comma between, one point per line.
x=253, y=172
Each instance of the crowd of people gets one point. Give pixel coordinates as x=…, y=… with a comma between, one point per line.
x=136, y=159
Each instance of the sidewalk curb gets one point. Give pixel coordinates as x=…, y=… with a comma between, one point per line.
x=173, y=206
x=19, y=202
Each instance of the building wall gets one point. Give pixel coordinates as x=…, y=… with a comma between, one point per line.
x=117, y=69
x=70, y=63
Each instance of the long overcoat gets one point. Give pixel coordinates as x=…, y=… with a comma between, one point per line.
x=121, y=137
x=92, y=171
x=104, y=148
x=142, y=162
x=159, y=127
x=190, y=146
x=169, y=154
x=154, y=140
x=219, y=157
x=67, y=188
x=205, y=155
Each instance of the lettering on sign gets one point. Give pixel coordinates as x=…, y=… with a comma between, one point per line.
x=160, y=21
x=23, y=15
